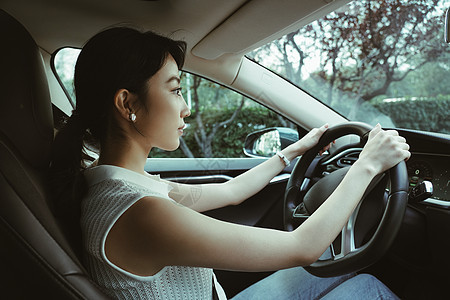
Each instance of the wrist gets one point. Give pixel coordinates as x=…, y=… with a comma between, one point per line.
x=291, y=153
x=283, y=158
x=366, y=167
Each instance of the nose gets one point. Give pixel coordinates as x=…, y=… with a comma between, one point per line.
x=185, y=112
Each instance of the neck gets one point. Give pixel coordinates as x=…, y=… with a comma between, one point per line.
x=127, y=154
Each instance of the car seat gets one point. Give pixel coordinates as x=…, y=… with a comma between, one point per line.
x=36, y=260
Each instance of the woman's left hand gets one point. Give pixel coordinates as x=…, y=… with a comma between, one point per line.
x=307, y=142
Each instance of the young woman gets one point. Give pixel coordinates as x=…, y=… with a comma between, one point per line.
x=143, y=237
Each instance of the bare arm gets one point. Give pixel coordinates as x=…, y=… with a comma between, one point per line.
x=205, y=197
x=159, y=233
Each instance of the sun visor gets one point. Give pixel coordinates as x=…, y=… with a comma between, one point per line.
x=259, y=22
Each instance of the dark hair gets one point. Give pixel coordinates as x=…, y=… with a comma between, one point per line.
x=114, y=59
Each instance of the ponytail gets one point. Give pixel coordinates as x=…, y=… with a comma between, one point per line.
x=67, y=183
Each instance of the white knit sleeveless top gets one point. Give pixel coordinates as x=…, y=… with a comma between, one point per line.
x=112, y=190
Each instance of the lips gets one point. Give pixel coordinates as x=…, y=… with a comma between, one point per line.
x=180, y=129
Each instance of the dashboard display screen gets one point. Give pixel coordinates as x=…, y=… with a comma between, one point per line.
x=433, y=168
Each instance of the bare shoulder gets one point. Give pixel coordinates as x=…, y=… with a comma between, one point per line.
x=133, y=242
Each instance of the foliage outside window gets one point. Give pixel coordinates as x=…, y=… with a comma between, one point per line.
x=374, y=61
x=220, y=121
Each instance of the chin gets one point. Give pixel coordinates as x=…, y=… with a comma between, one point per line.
x=171, y=147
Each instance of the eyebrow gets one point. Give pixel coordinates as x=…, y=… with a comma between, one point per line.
x=174, y=78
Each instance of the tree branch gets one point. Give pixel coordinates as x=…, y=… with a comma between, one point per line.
x=185, y=148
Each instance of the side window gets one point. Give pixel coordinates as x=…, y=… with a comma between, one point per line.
x=63, y=65
x=220, y=118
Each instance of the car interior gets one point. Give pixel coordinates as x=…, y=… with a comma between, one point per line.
x=37, y=256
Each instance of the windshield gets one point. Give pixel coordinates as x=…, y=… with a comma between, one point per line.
x=373, y=61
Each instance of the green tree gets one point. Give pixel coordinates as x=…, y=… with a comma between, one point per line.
x=364, y=50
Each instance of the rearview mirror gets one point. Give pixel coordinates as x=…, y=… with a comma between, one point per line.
x=266, y=142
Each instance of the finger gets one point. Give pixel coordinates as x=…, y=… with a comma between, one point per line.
x=404, y=146
x=407, y=154
x=375, y=131
x=321, y=152
x=323, y=128
x=392, y=132
x=326, y=147
x=317, y=132
x=401, y=139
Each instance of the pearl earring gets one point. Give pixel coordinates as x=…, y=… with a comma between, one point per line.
x=132, y=117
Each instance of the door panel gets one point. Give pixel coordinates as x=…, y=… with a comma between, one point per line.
x=256, y=211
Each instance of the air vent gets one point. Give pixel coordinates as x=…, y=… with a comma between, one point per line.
x=348, y=159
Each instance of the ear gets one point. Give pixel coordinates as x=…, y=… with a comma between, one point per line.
x=124, y=103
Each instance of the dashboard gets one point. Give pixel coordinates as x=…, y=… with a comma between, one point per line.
x=430, y=161
x=434, y=168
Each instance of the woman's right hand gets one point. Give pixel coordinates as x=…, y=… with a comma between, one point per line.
x=384, y=149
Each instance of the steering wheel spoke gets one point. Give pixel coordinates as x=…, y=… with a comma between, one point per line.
x=347, y=238
x=299, y=215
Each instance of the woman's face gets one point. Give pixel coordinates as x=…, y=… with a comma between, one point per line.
x=162, y=123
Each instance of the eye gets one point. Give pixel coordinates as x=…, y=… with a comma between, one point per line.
x=178, y=91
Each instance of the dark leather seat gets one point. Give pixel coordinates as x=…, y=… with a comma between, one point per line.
x=36, y=260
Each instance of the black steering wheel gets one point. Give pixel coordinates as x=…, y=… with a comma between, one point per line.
x=375, y=222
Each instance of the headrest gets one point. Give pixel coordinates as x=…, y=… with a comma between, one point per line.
x=25, y=106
